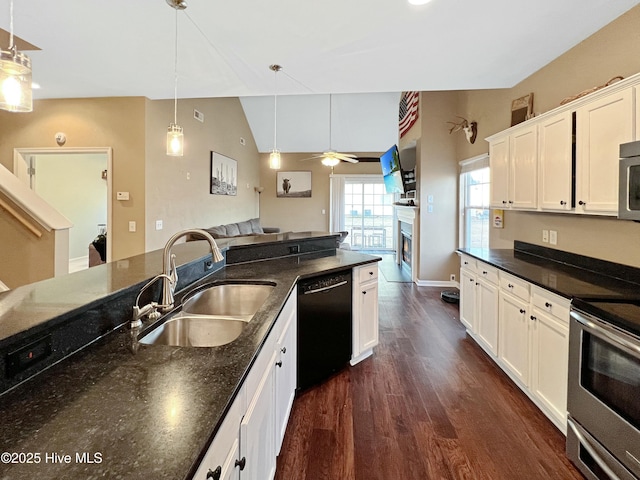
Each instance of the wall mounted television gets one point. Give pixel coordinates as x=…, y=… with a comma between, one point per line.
x=392, y=171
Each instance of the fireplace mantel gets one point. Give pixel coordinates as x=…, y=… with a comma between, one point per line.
x=409, y=215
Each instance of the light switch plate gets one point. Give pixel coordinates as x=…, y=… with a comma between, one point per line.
x=122, y=196
x=158, y=224
x=545, y=236
x=553, y=237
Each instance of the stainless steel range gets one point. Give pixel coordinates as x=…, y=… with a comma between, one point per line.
x=603, y=437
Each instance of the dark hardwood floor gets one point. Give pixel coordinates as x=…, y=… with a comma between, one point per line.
x=429, y=404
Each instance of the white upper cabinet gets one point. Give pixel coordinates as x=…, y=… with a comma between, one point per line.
x=499, y=170
x=523, y=152
x=555, y=162
x=601, y=126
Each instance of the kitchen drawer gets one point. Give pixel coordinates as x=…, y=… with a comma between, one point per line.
x=514, y=285
x=488, y=272
x=367, y=272
x=551, y=303
x=468, y=262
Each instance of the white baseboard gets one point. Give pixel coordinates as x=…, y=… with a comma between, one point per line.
x=78, y=263
x=437, y=283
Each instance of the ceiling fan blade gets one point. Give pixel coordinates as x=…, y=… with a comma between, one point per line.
x=350, y=160
x=346, y=157
x=313, y=157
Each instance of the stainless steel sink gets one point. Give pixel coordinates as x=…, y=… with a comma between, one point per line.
x=211, y=316
x=239, y=300
x=183, y=330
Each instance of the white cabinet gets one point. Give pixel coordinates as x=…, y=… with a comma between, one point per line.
x=257, y=430
x=499, y=171
x=468, y=304
x=487, y=302
x=601, y=126
x=365, y=311
x=513, y=168
x=550, y=353
x=513, y=348
x=555, y=162
x=285, y=376
x=523, y=153
x=219, y=461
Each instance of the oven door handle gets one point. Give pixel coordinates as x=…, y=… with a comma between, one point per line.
x=592, y=451
x=627, y=345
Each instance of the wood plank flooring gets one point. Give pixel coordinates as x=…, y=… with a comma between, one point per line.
x=429, y=404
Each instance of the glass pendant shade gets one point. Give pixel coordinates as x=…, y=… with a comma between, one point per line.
x=330, y=162
x=274, y=159
x=15, y=82
x=175, y=141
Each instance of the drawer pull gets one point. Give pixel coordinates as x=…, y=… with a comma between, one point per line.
x=241, y=463
x=562, y=202
x=548, y=305
x=484, y=272
x=510, y=285
x=214, y=474
x=522, y=311
x=283, y=349
x=466, y=263
x=533, y=318
x=279, y=363
x=370, y=273
x=471, y=279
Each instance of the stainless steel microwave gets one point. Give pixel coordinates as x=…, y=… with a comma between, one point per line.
x=629, y=178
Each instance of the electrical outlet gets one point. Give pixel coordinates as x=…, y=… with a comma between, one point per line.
x=132, y=226
x=545, y=236
x=158, y=224
x=553, y=237
x=452, y=277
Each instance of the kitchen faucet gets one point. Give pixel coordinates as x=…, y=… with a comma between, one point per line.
x=169, y=263
x=169, y=276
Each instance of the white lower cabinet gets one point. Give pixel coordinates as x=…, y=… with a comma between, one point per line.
x=365, y=311
x=286, y=362
x=526, y=330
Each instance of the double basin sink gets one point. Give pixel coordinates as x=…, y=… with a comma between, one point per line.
x=211, y=315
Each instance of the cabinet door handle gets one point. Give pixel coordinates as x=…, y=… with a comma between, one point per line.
x=533, y=318
x=280, y=365
x=510, y=201
x=504, y=202
x=548, y=305
x=484, y=272
x=370, y=273
x=562, y=202
x=214, y=474
x=471, y=279
x=582, y=203
x=466, y=263
x=364, y=292
x=283, y=349
x=241, y=463
x=510, y=285
x=522, y=311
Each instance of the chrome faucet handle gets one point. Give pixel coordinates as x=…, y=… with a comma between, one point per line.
x=151, y=309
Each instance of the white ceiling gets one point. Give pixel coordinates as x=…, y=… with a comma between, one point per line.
x=125, y=48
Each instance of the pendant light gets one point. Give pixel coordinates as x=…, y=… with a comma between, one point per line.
x=175, y=137
x=274, y=159
x=15, y=76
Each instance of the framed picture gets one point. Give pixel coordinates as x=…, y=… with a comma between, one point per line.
x=293, y=184
x=224, y=175
x=521, y=109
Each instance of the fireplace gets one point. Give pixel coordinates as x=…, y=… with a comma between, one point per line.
x=407, y=240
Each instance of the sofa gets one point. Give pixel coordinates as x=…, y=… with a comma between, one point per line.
x=239, y=229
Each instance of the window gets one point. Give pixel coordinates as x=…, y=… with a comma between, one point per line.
x=474, y=201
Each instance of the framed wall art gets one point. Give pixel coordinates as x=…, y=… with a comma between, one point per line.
x=521, y=109
x=224, y=175
x=293, y=184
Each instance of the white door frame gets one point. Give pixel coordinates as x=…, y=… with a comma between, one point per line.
x=21, y=165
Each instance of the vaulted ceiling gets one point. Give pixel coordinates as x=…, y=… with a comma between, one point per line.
x=363, y=52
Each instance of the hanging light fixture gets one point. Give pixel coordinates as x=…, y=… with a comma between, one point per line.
x=274, y=158
x=15, y=76
x=175, y=137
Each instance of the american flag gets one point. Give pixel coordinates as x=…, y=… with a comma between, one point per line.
x=408, y=111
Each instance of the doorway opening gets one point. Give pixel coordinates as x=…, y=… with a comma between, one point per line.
x=77, y=183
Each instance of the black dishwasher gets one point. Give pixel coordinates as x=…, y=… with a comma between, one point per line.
x=324, y=327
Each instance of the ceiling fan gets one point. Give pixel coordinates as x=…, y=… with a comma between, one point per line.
x=331, y=158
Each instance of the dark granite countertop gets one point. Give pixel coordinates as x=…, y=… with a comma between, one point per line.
x=568, y=275
x=138, y=411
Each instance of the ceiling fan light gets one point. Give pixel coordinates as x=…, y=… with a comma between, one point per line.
x=15, y=82
x=330, y=161
x=175, y=140
x=275, y=160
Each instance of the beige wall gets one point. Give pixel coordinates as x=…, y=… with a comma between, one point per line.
x=186, y=203
x=303, y=214
x=24, y=258
x=612, y=51
x=91, y=122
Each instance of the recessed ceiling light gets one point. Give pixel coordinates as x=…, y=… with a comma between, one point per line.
x=418, y=2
